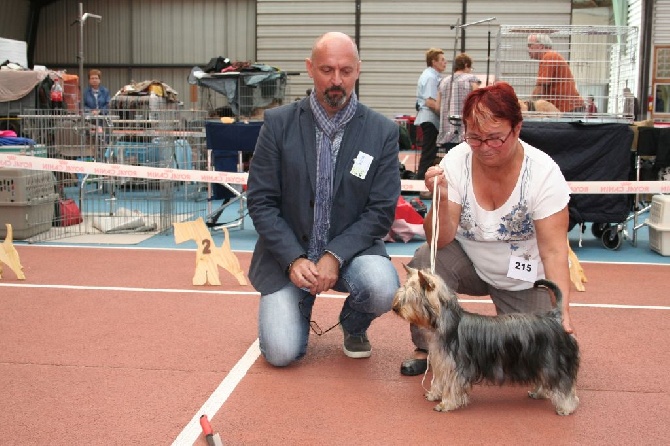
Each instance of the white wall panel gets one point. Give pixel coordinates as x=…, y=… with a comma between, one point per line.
x=13, y=18
x=394, y=35
x=389, y=81
x=147, y=39
x=661, y=33
x=163, y=38
x=286, y=31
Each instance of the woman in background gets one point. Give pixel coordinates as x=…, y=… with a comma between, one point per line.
x=96, y=97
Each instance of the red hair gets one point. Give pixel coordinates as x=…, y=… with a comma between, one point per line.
x=497, y=102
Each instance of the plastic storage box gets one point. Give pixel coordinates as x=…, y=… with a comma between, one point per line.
x=659, y=239
x=26, y=202
x=38, y=150
x=659, y=224
x=659, y=214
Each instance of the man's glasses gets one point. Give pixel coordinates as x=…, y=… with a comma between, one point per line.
x=494, y=143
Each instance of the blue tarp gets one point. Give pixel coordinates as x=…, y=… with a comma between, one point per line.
x=16, y=141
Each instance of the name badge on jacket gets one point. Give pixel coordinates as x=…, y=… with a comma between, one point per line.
x=361, y=165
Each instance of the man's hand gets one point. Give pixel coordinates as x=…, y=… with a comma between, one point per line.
x=329, y=270
x=317, y=277
x=303, y=273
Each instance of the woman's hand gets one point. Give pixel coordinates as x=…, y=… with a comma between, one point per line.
x=435, y=176
x=567, y=325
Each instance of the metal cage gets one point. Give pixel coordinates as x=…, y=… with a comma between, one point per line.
x=162, y=138
x=602, y=60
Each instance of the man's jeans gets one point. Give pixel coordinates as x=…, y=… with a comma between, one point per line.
x=283, y=316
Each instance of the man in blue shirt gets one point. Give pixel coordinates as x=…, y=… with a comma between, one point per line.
x=428, y=116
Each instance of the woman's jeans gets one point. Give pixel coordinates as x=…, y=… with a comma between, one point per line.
x=284, y=316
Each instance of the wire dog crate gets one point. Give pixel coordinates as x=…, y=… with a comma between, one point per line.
x=161, y=138
x=244, y=95
x=601, y=59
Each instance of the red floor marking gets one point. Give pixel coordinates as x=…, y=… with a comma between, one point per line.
x=191, y=432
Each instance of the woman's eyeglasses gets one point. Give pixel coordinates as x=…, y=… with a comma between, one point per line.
x=494, y=143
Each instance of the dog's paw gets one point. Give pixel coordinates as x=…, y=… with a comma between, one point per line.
x=446, y=406
x=538, y=393
x=433, y=396
x=441, y=408
x=567, y=406
x=563, y=412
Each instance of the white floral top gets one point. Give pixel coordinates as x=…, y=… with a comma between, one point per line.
x=489, y=238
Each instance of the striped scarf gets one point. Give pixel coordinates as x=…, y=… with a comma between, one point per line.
x=328, y=144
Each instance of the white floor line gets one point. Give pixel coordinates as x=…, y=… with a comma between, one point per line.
x=131, y=248
x=601, y=262
x=129, y=289
x=573, y=304
x=189, y=435
x=148, y=290
x=255, y=293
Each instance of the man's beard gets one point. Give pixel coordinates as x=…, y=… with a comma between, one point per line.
x=335, y=101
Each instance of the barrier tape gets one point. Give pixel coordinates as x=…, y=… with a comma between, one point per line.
x=15, y=161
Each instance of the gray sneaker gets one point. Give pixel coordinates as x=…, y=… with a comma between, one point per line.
x=356, y=346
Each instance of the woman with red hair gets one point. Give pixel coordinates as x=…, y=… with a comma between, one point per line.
x=502, y=210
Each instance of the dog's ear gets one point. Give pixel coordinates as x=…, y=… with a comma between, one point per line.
x=409, y=269
x=426, y=281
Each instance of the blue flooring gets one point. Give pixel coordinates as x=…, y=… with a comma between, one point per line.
x=591, y=249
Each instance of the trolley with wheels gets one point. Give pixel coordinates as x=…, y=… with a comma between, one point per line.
x=590, y=152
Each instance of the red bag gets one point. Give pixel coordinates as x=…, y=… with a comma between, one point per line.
x=407, y=225
x=66, y=213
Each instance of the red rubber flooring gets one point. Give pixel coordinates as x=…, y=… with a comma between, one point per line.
x=116, y=347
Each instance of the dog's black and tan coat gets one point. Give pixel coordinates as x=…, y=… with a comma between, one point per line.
x=467, y=348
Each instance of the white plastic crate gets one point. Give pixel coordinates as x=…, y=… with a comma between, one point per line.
x=659, y=214
x=27, y=219
x=23, y=186
x=659, y=239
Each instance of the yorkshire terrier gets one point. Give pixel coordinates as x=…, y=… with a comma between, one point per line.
x=467, y=348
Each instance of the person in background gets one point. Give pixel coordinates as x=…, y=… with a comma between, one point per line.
x=631, y=106
x=96, y=96
x=322, y=192
x=555, y=82
x=451, y=93
x=502, y=213
x=428, y=110
x=591, y=106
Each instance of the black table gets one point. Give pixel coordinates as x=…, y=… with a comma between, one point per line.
x=588, y=152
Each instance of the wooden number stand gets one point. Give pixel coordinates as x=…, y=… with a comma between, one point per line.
x=9, y=256
x=577, y=275
x=209, y=256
